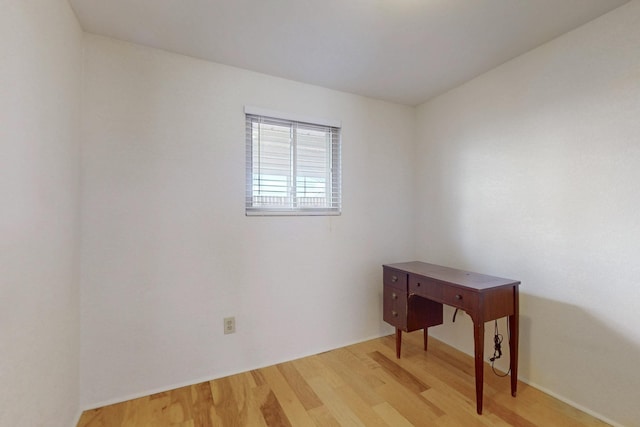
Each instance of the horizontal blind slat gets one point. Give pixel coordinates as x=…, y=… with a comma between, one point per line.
x=275, y=185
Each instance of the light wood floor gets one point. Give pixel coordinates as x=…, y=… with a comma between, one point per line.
x=359, y=385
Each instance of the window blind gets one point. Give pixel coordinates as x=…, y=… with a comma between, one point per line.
x=293, y=167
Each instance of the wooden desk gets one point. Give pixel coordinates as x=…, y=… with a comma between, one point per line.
x=415, y=291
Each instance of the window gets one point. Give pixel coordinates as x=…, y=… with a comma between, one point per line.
x=293, y=166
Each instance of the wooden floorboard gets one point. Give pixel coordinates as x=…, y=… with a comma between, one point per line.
x=360, y=385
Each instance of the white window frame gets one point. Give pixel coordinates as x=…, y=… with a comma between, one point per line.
x=324, y=196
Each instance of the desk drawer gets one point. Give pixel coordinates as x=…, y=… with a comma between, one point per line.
x=409, y=313
x=395, y=278
x=394, y=310
x=424, y=287
x=460, y=298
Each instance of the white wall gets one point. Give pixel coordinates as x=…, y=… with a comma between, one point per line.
x=168, y=251
x=40, y=75
x=528, y=172
x=532, y=171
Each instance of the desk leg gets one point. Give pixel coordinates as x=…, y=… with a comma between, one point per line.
x=398, y=342
x=426, y=337
x=478, y=336
x=513, y=345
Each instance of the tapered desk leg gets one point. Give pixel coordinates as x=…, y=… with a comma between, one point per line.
x=478, y=336
x=426, y=338
x=398, y=342
x=513, y=344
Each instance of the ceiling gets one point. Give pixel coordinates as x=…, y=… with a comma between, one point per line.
x=404, y=51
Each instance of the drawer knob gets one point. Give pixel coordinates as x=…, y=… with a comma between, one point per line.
x=458, y=296
x=394, y=313
x=394, y=279
x=394, y=296
x=418, y=284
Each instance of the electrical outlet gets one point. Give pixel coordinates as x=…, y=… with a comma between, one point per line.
x=229, y=325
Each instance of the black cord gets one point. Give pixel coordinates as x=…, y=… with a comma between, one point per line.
x=497, y=348
x=497, y=345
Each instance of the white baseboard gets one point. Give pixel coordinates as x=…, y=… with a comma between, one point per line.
x=570, y=402
x=193, y=381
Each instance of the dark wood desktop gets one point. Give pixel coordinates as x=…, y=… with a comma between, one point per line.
x=415, y=291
